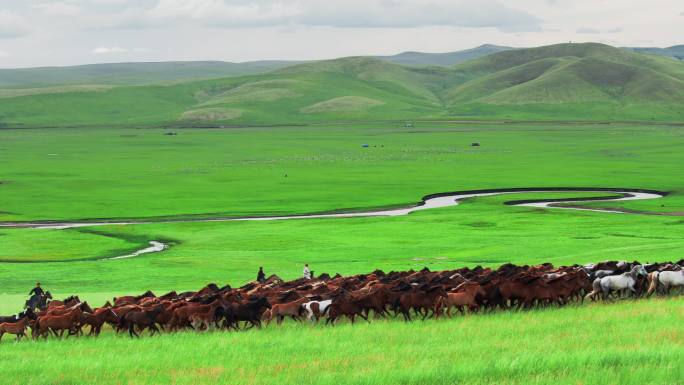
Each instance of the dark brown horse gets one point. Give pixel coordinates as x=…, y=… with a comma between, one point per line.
x=344, y=305
x=142, y=319
x=97, y=318
x=421, y=300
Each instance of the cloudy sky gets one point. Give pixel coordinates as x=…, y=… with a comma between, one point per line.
x=65, y=32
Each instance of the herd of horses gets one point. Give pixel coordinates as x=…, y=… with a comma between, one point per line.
x=407, y=294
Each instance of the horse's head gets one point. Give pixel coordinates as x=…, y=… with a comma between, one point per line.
x=639, y=270
x=86, y=308
x=48, y=295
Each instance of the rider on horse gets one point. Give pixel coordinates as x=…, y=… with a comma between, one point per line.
x=38, y=298
x=37, y=290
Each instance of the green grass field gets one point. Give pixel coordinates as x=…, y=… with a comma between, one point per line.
x=627, y=343
x=112, y=173
x=67, y=174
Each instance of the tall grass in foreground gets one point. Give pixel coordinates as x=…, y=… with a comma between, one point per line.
x=629, y=342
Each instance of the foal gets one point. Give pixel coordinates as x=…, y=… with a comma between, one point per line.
x=18, y=328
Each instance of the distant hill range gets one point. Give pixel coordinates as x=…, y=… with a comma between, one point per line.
x=585, y=81
x=675, y=52
x=158, y=72
x=131, y=73
x=443, y=59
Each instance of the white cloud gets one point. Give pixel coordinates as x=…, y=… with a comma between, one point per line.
x=346, y=14
x=114, y=50
x=59, y=8
x=12, y=25
x=4, y=54
x=108, y=50
x=598, y=31
x=588, y=30
x=408, y=14
x=240, y=30
x=221, y=13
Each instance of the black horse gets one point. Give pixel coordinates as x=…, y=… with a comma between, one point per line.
x=14, y=318
x=249, y=311
x=38, y=301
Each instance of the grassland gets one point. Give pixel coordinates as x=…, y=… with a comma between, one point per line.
x=237, y=172
x=141, y=173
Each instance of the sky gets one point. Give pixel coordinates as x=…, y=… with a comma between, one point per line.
x=37, y=33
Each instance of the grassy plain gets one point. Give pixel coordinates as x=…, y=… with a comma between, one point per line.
x=113, y=173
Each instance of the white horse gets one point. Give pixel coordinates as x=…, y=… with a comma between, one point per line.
x=625, y=281
x=668, y=279
x=316, y=309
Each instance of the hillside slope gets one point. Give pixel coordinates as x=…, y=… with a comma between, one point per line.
x=559, y=82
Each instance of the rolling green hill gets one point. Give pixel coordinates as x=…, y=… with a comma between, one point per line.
x=560, y=82
x=570, y=81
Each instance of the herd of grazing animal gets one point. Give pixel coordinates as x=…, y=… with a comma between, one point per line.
x=410, y=294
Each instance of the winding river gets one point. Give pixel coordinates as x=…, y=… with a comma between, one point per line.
x=432, y=201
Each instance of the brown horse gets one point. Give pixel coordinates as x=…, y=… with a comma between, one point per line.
x=142, y=319
x=344, y=305
x=423, y=299
x=464, y=296
x=67, y=302
x=55, y=323
x=181, y=315
x=63, y=309
x=97, y=318
x=17, y=328
x=281, y=310
x=376, y=298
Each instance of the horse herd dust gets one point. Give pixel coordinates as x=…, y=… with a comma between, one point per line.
x=409, y=294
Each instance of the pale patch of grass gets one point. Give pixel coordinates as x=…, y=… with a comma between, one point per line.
x=342, y=104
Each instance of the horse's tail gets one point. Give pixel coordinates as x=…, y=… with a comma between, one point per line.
x=653, y=279
x=595, y=289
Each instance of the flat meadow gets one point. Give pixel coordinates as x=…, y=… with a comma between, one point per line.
x=79, y=173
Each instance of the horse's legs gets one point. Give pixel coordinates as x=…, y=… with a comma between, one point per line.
x=131, y=330
x=606, y=292
x=407, y=315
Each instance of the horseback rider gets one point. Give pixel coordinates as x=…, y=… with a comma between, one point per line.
x=261, y=277
x=37, y=298
x=37, y=290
